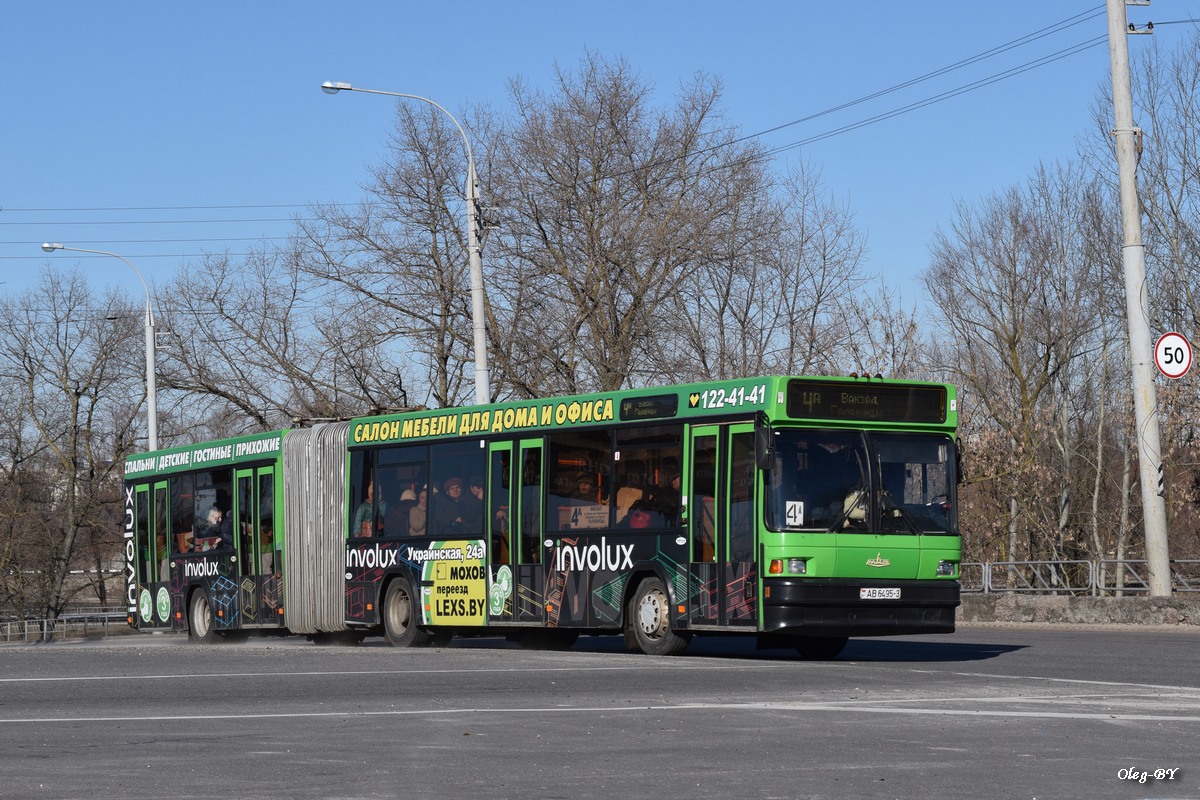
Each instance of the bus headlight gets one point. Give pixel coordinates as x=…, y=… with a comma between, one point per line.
x=947, y=567
x=797, y=566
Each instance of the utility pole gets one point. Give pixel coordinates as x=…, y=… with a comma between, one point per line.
x=1137, y=308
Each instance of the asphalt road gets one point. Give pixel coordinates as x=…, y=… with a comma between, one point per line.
x=988, y=712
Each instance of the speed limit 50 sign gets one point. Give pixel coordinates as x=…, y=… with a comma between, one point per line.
x=1173, y=355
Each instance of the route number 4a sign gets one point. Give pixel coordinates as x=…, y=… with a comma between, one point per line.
x=1173, y=355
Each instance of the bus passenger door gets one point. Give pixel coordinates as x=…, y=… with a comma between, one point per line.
x=723, y=580
x=167, y=604
x=144, y=541
x=245, y=540
x=529, y=589
x=737, y=548
x=700, y=489
x=499, y=514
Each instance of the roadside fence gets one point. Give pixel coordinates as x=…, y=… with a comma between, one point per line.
x=81, y=623
x=1099, y=578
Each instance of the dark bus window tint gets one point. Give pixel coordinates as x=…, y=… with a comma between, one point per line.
x=162, y=532
x=456, y=477
x=400, y=475
x=499, y=505
x=213, y=522
x=531, y=506
x=703, y=503
x=266, y=521
x=245, y=525
x=647, y=477
x=817, y=481
x=144, y=536
x=362, y=493
x=916, y=482
x=741, y=497
x=577, y=480
x=183, y=513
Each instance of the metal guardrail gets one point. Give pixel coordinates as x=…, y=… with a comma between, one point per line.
x=1102, y=577
x=80, y=624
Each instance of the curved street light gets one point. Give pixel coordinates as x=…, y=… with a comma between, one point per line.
x=151, y=400
x=483, y=390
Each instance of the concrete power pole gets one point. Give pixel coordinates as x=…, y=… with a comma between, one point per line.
x=1137, y=308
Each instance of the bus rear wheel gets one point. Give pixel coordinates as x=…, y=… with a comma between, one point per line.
x=650, y=617
x=401, y=613
x=200, y=620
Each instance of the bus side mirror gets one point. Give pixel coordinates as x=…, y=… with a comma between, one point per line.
x=958, y=463
x=764, y=446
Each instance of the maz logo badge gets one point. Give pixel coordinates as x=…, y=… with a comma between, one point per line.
x=878, y=562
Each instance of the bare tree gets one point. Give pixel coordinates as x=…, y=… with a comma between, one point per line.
x=1015, y=283
x=611, y=209
x=399, y=260
x=71, y=362
x=1166, y=89
x=258, y=348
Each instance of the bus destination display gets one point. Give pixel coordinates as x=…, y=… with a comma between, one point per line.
x=879, y=403
x=657, y=407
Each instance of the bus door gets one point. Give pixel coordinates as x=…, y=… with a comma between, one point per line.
x=170, y=573
x=529, y=588
x=737, y=548
x=498, y=517
x=245, y=540
x=723, y=581
x=270, y=564
x=147, y=568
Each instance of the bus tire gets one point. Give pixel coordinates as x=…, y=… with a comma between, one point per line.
x=200, y=619
x=401, y=611
x=650, y=618
x=820, y=648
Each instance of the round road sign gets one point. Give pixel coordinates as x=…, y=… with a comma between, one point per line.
x=1173, y=355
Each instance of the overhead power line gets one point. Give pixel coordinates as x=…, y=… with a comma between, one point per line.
x=957, y=65
x=1062, y=25
x=965, y=88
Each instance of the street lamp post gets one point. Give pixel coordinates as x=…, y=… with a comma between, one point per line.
x=151, y=400
x=483, y=390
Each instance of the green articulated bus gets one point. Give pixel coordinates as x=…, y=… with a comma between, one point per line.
x=800, y=510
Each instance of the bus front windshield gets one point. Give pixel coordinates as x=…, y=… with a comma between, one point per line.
x=834, y=481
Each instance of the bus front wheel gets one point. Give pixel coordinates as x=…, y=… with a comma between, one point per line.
x=650, y=617
x=401, y=613
x=200, y=621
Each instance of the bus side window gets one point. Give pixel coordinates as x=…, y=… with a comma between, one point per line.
x=183, y=512
x=703, y=502
x=499, y=503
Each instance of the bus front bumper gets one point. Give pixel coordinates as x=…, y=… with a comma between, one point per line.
x=839, y=607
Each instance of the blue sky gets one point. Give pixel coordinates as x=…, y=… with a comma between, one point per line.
x=180, y=112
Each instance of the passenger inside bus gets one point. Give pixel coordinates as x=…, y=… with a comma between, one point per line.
x=472, y=506
x=418, y=515
x=396, y=521
x=266, y=545
x=365, y=522
x=448, y=508
x=225, y=524
x=207, y=533
x=585, y=488
x=666, y=500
